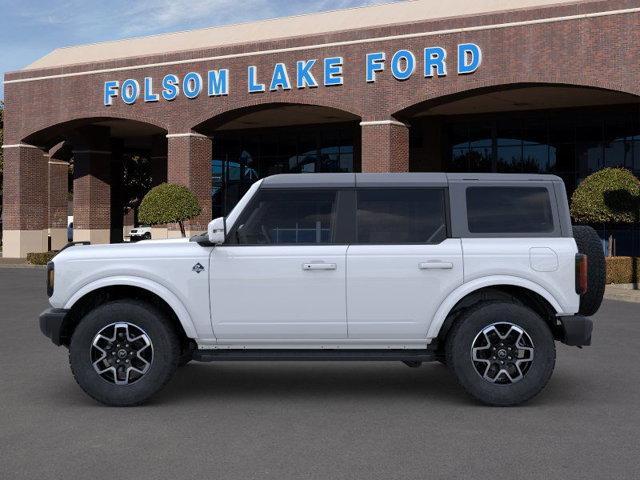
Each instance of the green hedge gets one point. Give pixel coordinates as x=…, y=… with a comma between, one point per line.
x=40, y=258
x=621, y=269
x=610, y=195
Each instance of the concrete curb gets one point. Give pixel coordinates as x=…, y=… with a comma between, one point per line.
x=624, y=292
x=21, y=265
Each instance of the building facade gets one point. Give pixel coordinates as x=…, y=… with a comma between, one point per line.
x=547, y=86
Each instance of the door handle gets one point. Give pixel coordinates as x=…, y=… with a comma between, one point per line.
x=319, y=266
x=435, y=265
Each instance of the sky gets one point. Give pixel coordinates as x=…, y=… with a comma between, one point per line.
x=29, y=29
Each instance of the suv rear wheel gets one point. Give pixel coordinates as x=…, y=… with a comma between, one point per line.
x=502, y=353
x=123, y=352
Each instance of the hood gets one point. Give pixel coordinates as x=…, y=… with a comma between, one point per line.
x=175, y=247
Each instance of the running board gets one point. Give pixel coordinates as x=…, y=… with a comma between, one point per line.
x=315, y=355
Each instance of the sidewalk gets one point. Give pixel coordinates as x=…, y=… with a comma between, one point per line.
x=17, y=263
x=627, y=292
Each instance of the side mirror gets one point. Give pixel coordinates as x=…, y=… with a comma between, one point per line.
x=216, y=231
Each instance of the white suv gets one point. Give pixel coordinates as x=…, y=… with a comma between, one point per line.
x=142, y=232
x=480, y=272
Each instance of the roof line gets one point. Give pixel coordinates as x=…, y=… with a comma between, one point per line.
x=237, y=24
x=334, y=44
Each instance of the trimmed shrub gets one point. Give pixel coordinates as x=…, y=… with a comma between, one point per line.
x=623, y=269
x=611, y=195
x=40, y=258
x=169, y=203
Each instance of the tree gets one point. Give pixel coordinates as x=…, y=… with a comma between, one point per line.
x=611, y=195
x=169, y=203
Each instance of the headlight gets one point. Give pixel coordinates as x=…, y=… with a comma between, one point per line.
x=50, y=278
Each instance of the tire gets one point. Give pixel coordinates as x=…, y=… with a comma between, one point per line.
x=144, y=325
x=492, y=317
x=146, y=236
x=590, y=245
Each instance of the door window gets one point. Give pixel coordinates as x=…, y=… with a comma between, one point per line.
x=286, y=217
x=402, y=215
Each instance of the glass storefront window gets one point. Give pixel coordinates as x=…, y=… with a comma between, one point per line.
x=243, y=156
x=571, y=143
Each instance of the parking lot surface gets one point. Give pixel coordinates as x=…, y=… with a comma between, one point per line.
x=315, y=420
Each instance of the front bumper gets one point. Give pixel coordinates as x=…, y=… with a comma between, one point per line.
x=576, y=330
x=52, y=324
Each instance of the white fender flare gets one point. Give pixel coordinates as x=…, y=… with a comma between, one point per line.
x=145, y=284
x=492, y=281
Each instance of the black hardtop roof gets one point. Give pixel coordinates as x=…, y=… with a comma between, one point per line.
x=417, y=179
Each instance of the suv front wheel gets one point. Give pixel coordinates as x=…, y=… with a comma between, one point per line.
x=123, y=352
x=502, y=353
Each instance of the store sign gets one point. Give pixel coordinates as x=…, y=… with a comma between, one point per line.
x=309, y=73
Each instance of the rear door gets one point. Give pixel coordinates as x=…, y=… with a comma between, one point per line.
x=402, y=265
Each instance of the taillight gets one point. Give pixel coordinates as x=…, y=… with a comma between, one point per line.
x=50, y=278
x=582, y=269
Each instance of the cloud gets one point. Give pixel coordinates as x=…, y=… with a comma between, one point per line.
x=119, y=19
x=31, y=29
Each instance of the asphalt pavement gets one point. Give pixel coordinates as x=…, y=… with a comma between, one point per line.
x=315, y=420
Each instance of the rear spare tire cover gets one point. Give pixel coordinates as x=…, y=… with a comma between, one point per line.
x=590, y=245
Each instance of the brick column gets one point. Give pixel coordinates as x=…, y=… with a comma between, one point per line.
x=58, y=191
x=189, y=164
x=25, y=209
x=385, y=146
x=92, y=185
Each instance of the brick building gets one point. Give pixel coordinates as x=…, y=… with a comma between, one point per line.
x=489, y=85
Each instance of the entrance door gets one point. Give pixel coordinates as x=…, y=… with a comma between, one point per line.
x=402, y=266
x=282, y=273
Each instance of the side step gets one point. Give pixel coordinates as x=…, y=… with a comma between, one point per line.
x=301, y=355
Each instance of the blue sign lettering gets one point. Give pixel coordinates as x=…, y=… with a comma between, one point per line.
x=333, y=71
x=130, y=91
x=469, y=58
x=403, y=64
x=170, y=87
x=254, y=87
x=215, y=82
x=375, y=63
x=434, y=59
x=304, y=76
x=280, y=78
x=218, y=82
x=149, y=96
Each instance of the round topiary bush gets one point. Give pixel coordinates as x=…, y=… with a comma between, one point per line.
x=610, y=195
x=169, y=203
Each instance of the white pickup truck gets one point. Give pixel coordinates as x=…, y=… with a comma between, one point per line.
x=482, y=272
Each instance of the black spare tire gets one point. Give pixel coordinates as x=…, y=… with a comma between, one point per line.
x=590, y=245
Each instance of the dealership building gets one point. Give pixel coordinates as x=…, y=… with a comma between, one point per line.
x=545, y=86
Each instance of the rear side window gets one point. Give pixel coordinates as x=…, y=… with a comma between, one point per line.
x=393, y=216
x=509, y=210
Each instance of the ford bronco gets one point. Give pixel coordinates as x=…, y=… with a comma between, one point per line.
x=481, y=272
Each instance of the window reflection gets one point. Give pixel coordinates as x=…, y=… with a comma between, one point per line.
x=571, y=143
x=242, y=157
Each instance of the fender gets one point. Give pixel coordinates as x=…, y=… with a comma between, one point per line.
x=491, y=281
x=145, y=284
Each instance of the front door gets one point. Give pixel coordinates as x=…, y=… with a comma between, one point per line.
x=402, y=265
x=282, y=273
